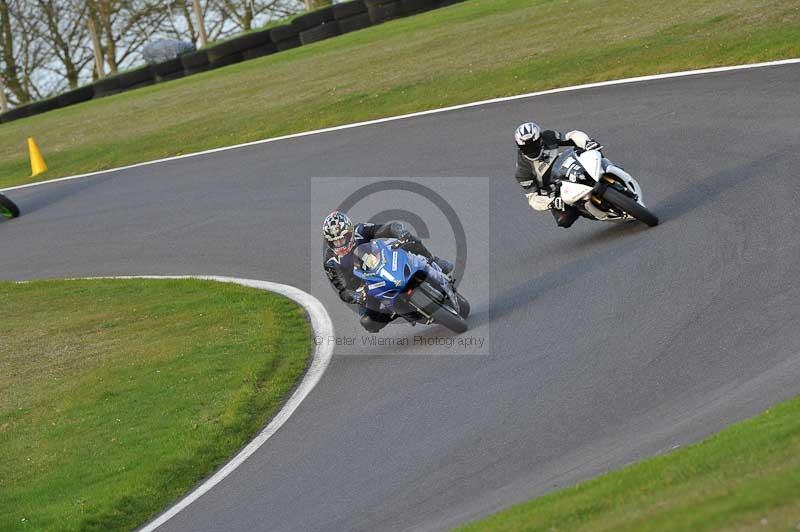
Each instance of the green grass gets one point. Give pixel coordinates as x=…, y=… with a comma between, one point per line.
x=117, y=396
x=473, y=50
x=747, y=477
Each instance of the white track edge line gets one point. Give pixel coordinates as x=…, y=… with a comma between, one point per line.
x=422, y=113
x=322, y=326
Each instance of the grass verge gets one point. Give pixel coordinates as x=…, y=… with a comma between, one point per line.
x=116, y=396
x=747, y=477
x=469, y=51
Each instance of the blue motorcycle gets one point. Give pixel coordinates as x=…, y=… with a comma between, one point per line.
x=408, y=285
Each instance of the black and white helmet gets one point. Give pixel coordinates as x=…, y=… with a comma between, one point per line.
x=529, y=140
x=338, y=232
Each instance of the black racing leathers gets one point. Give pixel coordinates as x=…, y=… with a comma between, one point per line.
x=340, y=269
x=536, y=172
x=533, y=175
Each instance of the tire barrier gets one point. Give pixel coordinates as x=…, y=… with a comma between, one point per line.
x=357, y=22
x=307, y=28
x=313, y=19
x=78, y=95
x=282, y=33
x=412, y=7
x=285, y=37
x=133, y=79
x=227, y=60
x=385, y=11
x=23, y=111
x=172, y=69
x=349, y=9
x=287, y=44
x=106, y=86
x=195, y=62
x=264, y=49
x=42, y=106
x=320, y=33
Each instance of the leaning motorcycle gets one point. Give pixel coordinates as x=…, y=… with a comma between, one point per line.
x=409, y=286
x=8, y=209
x=598, y=188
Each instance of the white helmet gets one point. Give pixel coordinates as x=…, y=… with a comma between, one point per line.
x=529, y=140
x=338, y=232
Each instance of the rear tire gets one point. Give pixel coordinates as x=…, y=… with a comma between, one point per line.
x=631, y=206
x=463, y=306
x=8, y=209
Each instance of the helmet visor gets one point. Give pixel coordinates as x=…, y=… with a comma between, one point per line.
x=532, y=148
x=342, y=244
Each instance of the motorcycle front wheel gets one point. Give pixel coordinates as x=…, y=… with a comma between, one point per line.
x=630, y=206
x=8, y=209
x=426, y=300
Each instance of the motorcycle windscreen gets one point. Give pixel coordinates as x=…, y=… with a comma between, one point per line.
x=369, y=257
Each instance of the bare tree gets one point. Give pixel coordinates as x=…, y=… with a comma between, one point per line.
x=243, y=13
x=65, y=31
x=184, y=22
x=124, y=26
x=23, y=53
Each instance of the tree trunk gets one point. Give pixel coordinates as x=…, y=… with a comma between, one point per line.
x=201, y=25
x=111, y=43
x=98, y=51
x=11, y=71
x=3, y=100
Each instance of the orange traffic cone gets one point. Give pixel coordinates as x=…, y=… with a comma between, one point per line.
x=37, y=161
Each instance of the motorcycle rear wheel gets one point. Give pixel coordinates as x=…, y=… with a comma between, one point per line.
x=463, y=306
x=8, y=209
x=630, y=206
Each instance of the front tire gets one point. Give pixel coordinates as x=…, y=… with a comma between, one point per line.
x=630, y=206
x=441, y=313
x=8, y=209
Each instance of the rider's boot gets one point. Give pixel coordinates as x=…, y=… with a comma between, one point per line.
x=566, y=217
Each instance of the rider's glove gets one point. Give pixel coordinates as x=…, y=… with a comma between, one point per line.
x=592, y=144
x=539, y=202
x=405, y=238
x=355, y=297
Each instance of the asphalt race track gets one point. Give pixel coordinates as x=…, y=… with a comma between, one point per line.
x=606, y=343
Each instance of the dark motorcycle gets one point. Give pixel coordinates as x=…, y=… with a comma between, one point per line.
x=8, y=209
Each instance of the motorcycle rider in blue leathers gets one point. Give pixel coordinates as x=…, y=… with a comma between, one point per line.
x=341, y=238
x=536, y=152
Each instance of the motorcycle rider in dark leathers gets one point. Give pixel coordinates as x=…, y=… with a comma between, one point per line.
x=342, y=237
x=536, y=152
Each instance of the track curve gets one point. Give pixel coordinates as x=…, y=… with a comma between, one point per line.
x=608, y=343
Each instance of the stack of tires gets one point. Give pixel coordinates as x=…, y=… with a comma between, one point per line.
x=167, y=70
x=22, y=111
x=195, y=62
x=285, y=37
x=257, y=44
x=351, y=16
x=132, y=79
x=139, y=77
x=316, y=25
x=248, y=46
x=81, y=94
x=412, y=7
